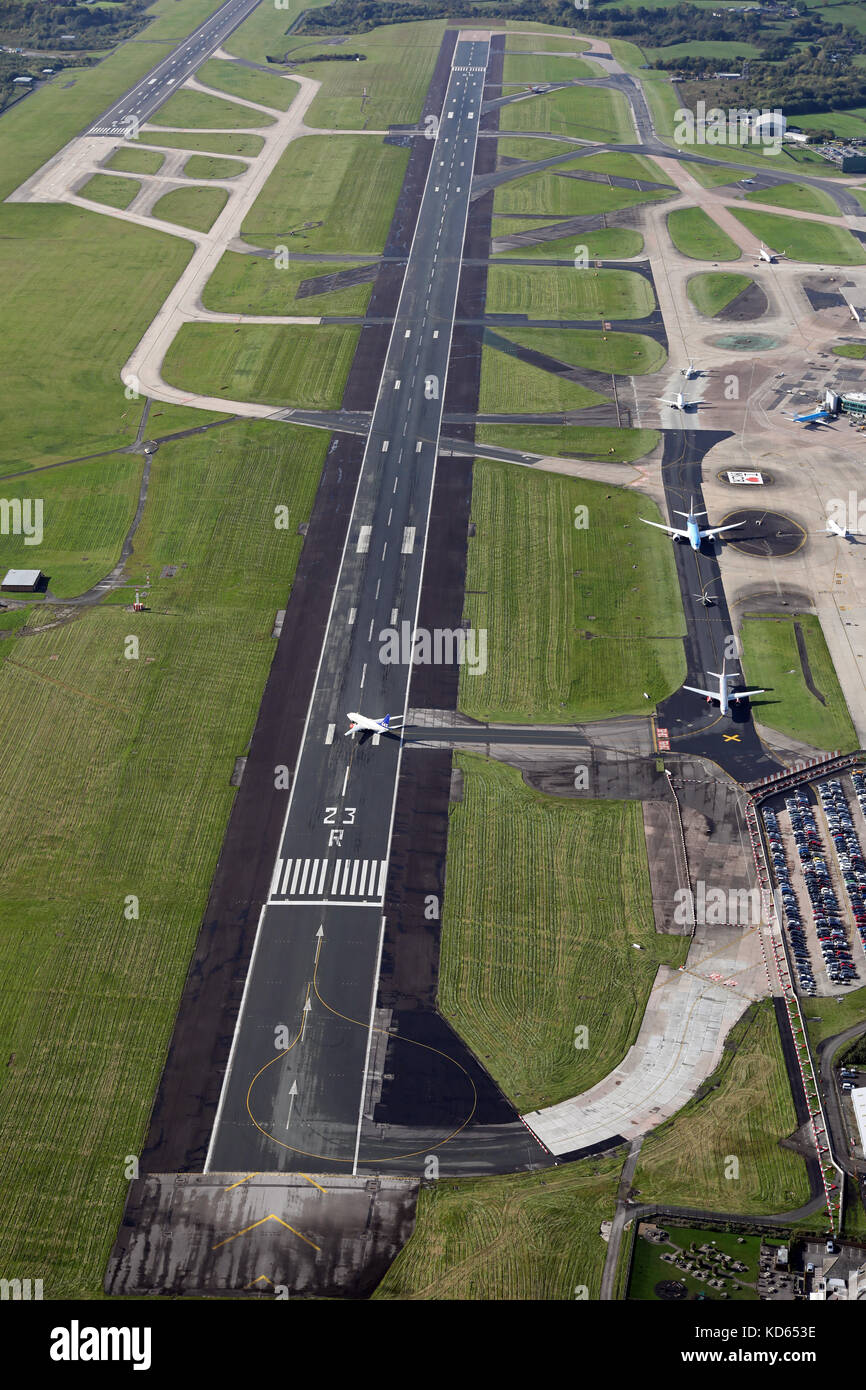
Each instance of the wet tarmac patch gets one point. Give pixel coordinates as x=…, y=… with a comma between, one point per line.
x=765, y=534
x=746, y=342
x=750, y=303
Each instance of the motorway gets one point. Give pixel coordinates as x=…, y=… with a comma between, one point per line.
x=306, y=1063
x=129, y=112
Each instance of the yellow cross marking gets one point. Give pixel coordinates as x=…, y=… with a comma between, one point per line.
x=731, y=738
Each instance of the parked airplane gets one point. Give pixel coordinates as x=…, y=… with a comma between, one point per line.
x=822, y=416
x=723, y=694
x=679, y=404
x=693, y=533
x=367, y=725
x=834, y=529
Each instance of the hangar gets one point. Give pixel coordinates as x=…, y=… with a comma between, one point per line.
x=23, y=581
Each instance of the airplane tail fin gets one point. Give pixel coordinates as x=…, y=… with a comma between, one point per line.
x=386, y=722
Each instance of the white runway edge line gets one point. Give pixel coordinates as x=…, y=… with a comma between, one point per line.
x=334, y=595
x=231, y=1059
x=374, y=992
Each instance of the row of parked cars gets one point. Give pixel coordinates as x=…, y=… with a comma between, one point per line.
x=858, y=905
x=791, y=918
x=829, y=923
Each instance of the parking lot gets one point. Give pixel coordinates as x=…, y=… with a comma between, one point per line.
x=814, y=849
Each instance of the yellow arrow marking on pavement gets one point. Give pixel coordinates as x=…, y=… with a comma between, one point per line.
x=272, y=1217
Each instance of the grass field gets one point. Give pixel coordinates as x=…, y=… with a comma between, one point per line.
x=134, y=161
x=249, y=285
x=539, y=941
x=87, y=510
x=572, y=441
x=206, y=166
x=517, y=147
x=197, y=208
x=509, y=385
x=598, y=612
x=826, y=1017
x=296, y=365
x=217, y=142
x=348, y=184
x=742, y=1111
x=133, y=799
x=588, y=113
x=799, y=197
x=614, y=243
x=70, y=402
x=711, y=175
x=770, y=651
x=855, y=350
x=561, y=292
x=695, y=234
x=548, y=194
x=525, y=1236
x=625, y=354
x=525, y=37
x=198, y=110
x=819, y=242
x=527, y=69
x=266, y=88
x=396, y=73
x=713, y=290
x=649, y=1269
x=624, y=166
x=106, y=188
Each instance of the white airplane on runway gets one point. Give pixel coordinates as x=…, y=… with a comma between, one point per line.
x=367, y=725
x=679, y=403
x=723, y=695
x=690, y=371
x=765, y=255
x=693, y=533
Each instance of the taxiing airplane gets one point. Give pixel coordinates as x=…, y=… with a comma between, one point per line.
x=690, y=371
x=367, y=725
x=693, y=533
x=723, y=694
x=765, y=255
x=680, y=403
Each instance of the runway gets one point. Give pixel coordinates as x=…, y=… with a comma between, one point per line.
x=125, y=117
x=305, y=1068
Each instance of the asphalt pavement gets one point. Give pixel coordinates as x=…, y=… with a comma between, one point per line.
x=302, y=1073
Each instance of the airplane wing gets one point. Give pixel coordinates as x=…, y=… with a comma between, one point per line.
x=663, y=401
x=710, y=694
x=671, y=530
x=744, y=694
x=717, y=530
